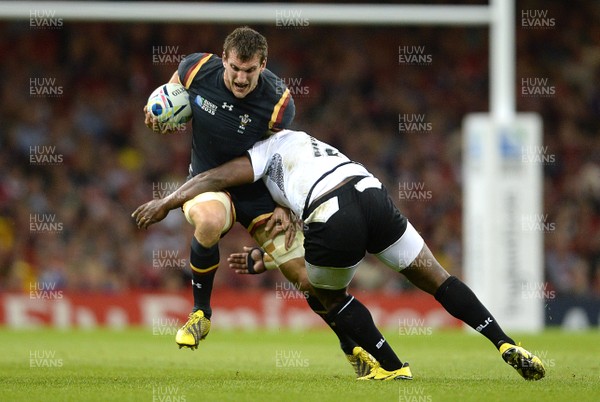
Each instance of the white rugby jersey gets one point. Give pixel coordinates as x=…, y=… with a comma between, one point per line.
x=291, y=163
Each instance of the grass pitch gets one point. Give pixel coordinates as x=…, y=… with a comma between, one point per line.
x=142, y=365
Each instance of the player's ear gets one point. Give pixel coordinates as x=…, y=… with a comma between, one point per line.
x=224, y=57
x=263, y=65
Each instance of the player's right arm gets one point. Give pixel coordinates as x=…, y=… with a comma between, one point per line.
x=242, y=170
x=233, y=173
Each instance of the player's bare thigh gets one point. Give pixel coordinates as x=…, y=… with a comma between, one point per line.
x=411, y=256
x=212, y=215
x=425, y=272
x=295, y=272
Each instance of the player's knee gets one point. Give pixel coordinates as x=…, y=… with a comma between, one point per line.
x=212, y=215
x=332, y=300
x=207, y=227
x=206, y=238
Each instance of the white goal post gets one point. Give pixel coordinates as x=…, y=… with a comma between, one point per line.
x=485, y=187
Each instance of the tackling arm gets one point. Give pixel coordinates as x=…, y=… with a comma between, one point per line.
x=233, y=173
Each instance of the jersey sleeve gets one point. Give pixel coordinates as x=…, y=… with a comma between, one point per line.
x=189, y=67
x=260, y=155
x=283, y=112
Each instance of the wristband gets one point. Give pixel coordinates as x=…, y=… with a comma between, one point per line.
x=250, y=261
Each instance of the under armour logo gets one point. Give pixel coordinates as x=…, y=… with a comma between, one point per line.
x=227, y=106
x=198, y=285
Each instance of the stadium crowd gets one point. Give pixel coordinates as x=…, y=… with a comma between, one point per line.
x=76, y=158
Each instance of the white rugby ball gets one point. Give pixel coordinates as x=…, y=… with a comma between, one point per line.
x=170, y=103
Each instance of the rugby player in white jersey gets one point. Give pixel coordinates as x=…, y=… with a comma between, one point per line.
x=347, y=212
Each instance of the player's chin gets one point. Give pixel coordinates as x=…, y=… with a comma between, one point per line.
x=241, y=91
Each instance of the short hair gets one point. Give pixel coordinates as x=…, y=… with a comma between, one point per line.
x=246, y=42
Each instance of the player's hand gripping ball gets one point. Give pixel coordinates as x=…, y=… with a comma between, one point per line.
x=170, y=104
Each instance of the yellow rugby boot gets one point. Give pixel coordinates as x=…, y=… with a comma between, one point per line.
x=193, y=331
x=380, y=374
x=528, y=365
x=362, y=361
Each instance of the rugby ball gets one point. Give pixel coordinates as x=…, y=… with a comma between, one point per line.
x=170, y=103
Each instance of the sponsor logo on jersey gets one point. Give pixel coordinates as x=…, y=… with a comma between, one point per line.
x=227, y=106
x=206, y=105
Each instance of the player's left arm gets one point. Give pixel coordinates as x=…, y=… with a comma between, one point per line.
x=233, y=173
